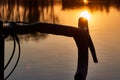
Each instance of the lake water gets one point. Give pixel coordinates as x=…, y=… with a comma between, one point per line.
x=53, y=57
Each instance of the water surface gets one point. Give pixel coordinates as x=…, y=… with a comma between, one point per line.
x=52, y=57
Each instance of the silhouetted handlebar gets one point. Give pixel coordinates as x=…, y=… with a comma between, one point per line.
x=22, y=28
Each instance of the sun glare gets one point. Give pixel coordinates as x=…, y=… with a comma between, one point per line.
x=85, y=14
x=85, y=1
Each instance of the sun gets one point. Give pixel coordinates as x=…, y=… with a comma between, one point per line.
x=85, y=14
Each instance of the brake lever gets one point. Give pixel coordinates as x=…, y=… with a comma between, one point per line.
x=92, y=49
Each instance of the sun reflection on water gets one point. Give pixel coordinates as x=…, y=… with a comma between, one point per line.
x=85, y=1
x=85, y=14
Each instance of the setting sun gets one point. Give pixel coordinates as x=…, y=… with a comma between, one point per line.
x=85, y=14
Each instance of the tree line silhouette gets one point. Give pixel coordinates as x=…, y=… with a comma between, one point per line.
x=93, y=5
x=43, y=10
